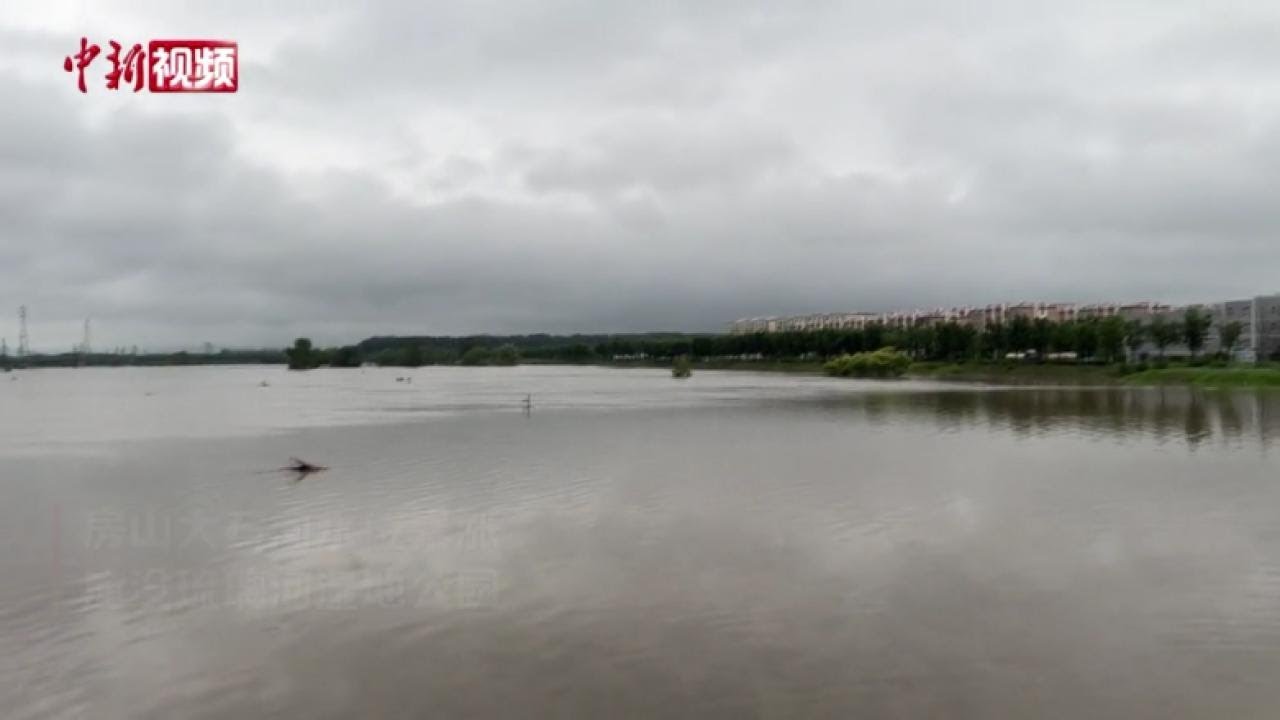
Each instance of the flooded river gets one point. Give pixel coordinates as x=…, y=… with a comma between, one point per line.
x=733, y=545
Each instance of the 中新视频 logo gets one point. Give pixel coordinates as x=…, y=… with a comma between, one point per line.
x=167, y=66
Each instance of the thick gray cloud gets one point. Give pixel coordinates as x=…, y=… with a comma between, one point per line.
x=559, y=165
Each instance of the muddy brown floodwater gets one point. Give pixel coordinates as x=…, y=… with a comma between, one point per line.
x=733, y=545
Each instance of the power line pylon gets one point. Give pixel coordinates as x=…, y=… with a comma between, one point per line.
x=24, y=348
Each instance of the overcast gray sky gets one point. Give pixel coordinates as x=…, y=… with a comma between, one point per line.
x=573, y=165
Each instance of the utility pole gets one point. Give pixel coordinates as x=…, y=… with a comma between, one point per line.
x=24, y=349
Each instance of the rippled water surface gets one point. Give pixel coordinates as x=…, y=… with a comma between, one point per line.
x=734, y=545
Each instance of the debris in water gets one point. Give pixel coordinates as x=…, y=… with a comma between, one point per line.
x=302, y=467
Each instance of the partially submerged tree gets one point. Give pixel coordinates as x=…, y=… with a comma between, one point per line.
x=883, y=363
x=681, y=367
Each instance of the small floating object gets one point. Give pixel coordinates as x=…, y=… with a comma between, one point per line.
x=302, y=467
x=264, y=383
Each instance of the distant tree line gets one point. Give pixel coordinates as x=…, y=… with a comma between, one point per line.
x=131, y=358
x=513, y=349
x=500, y=350
x=1102, y=340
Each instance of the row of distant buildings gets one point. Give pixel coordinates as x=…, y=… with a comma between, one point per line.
x=1259, y=317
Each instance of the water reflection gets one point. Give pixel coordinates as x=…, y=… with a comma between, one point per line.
x=1193, y=416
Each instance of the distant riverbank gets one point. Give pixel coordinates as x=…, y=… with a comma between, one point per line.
x=1229, y=376
x=1018, y=373
x=1205, y=375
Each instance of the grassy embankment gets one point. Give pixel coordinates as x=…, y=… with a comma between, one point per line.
x=1208, y=376
x=1016, y=373
x=1241, y=376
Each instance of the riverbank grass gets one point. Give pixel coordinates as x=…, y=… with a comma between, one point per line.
x=1017, y=373
x=1210, y=377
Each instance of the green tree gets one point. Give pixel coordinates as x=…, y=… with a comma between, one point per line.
x=1041, y=335
x=506, y=355
x=1086, y=339
x=578, y=352
x=387, y=357
x=919, y=341
x=1134, y=335
x=301, y=356
x=1111, y=338
x=346, y=356
x=1195, y=326
x=953, y=341
x=994, y=342
x=1020, y=334
x=1230, y=335
x=873, y=336
x=1063, y=337
x=477, y=355
x=1163, y=333
x=411, y=356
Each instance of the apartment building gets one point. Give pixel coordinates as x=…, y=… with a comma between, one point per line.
x=977, y=317
x=1259, y=317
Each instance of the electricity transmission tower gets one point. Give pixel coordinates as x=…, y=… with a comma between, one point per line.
x=24, y=348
